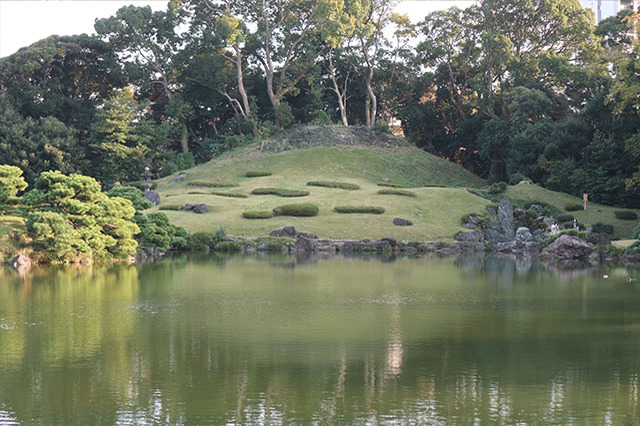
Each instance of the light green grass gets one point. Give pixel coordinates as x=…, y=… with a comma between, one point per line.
x=623, y=243
x=595, y=212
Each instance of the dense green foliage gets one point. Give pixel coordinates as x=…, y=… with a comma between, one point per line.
x=132, y=194
x=331, y=184
x=257, y=214
x=626, y=214
x=11, y=183
x=359, y=209
x=573, y=207
x=602, y=228
x=257, y=173
x=511, y=90
x=296, y=210
x=156, y=232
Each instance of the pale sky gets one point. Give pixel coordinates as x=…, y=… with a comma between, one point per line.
x=25, y=22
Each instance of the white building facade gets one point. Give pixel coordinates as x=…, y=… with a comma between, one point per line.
x=602, y=9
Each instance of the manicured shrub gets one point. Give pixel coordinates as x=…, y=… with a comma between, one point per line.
x=602, y=228
x=190, y=193
x=576, y=233
x=275, y=244
x=573, y=207
x=565, y=218
x=516, y=178
x=257, y=173
x=230, y=194
x=280, y=192
x=201, y=241
x=633, y=248
x=261, y=214
x=498, y=188
x=175, y=207
x=296, y=210
x=626, y=214
x=229, y=246
x=359, y=209
x=434, y=185
x=157, y=232
x=390, y=185
x=566, y=225
x=133, y=194
x=396, y=192
x=329, y=184
x=636, y=232
x=530, y=216
x=212, y=184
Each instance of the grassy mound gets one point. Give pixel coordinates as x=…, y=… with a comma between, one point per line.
x=304, y=210
x=229, y=194
x=280, y=192
x=359, y=209
x=330, y=184
x=211, y=184
x=257, y=214
x=393, y=191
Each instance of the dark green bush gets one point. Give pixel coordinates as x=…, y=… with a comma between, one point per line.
x=636, y=232
x=396, y=192
x=626, y=214
x=190, y=193
x=390, y=185
x=257, y=173
x=498, y=188
x=434, y=185
x=573, y=207
x=530, y=216
x=296, y=210
x=171, y=207
x=212, y=184
x=263, y=214
x=633, y=248
x=567, y=225
x=280, y=192
x=516, y=178
x=201, y=241
x=576, y=233
x=565, y=218
x=602, y=228
x=359, y=209
x=157, y=232
x=229, y=194
x=329, y=184
x=229, y=246
x=133, y=194
x=276, y=244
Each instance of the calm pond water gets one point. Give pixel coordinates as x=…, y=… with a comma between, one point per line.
x=247, y=340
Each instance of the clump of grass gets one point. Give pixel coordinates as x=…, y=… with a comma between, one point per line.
x=212, y=184
x=396, y=192
x=191, y=193
x=229, y=194
x=276, y=244
x=573, y=207
x=625, y=214
x=257, y=173
x=176, y=207
x=390, y=185
x=260, y=214
x=331, y=184
x=359, y=209
x=229, y=246
x=280, y=192
x=296, y=210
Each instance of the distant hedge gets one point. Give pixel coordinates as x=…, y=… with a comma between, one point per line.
x=262, y=214
x=280, y=192
x=296, y=210
x=171, y=207
x=396, y=192
x=390, y=185
x=602, y=228
x=573, y=207
x=626, y=214
x=212, y=184
x=330, y=184
x=359, y=209
x=257, y=173
x=229, y=194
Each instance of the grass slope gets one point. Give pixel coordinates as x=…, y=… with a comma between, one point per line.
x=435, y=212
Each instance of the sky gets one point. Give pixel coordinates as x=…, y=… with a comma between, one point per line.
x=25, y=22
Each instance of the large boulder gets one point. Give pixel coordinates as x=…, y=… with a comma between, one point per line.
x=523, y=235
x=179, y=178
x=599, y=239
x=304, y=245
x=537, y=208
x=468, y=237
x=291, y=232
x=197, y=208
x=505, y=217
x=493, y=232
x=152, y=196
x=569, y=247
x=402, y=222
x=21, y=263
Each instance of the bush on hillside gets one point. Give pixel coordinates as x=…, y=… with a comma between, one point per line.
x=602, y=228
x=296, y=210
x=390, y=185
x=276, y=244
x=565, y=218
x=633, y=248
x=626, y=214
x=330, y=184
x=212, y=184
x=229, y=194
x=359, y=209
x=636, y=232
x=257, y=173
x=573, y=207
x=156, y=232
x=396, y=192
x=280, y=192
x=516, y=178
x=498, y=188
x=260, y=214
x=434, y=185
x=205, y=240
x=133, y=194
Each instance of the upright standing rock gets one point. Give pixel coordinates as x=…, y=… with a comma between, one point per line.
x=505, y=217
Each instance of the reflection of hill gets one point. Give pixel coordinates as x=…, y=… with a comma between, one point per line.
x=341, y=341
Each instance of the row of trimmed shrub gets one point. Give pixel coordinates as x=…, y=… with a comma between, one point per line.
x=229, y=194
x=280, y=192
x=359, y=209
x=207, y=184
x=258, y=173
x=331, y=184
x=306, y=210
x=393, y=191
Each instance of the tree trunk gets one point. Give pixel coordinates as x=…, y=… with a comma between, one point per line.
x=184, y=138
x=243, y=91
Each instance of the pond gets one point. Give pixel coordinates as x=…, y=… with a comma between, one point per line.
x=273, y=340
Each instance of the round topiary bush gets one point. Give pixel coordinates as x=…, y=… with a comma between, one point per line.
x=626, y=214
x=565, y=218
x=262, y=214
x=573, y=207
x=359, y=209
x=296, y=210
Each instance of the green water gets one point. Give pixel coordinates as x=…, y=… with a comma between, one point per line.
x=335, y=341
